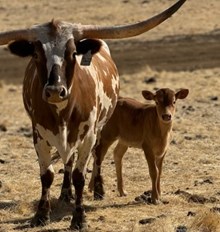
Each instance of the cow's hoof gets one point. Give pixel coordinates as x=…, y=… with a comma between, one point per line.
x=78, y=222
x=40, y=220
x=66, y=197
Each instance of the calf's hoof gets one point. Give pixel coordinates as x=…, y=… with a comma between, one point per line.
x=98, y=189
x=99, y=192
x=123, y=193
x=40, y=219
x=78, y=222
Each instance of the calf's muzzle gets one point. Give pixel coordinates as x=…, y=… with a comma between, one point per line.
x=167, y=117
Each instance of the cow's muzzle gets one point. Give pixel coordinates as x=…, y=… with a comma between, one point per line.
x=55, y=93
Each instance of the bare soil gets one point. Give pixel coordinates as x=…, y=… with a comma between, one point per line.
x=183, y=52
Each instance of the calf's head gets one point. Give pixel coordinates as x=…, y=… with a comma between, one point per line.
x=165, y=100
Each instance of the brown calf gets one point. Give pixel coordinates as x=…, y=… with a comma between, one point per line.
x=138, y=125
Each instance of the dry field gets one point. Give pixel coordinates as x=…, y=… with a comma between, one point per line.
x=182, y=52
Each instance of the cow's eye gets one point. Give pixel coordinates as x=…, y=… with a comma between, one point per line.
x=74, y=54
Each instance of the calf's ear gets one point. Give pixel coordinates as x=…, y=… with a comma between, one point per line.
x=148, y=95
x=21, y=48
x=181, y=94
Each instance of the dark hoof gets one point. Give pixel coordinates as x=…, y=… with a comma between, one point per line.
x=40, y=220
x=78, y=222
x=98, y=189
x=66, y=197
x=98, y=196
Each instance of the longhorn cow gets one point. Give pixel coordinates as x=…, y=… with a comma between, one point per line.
x=70, y=90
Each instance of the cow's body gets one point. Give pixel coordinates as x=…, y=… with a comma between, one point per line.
x=71, y=126
x=68, y=125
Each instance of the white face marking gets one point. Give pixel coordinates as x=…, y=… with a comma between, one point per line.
x=54, y=48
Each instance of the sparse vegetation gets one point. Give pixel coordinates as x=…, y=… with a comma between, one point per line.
x=191, y=166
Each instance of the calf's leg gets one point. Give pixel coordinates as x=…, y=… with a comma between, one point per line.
x=119, y=152
x=154, y=174
x=159, y=164
x=96, y=182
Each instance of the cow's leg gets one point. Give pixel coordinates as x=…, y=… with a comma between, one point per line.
x=78, y=177
x=42, y=216
x=97, y=181
x=66, y=191
x=119, y=152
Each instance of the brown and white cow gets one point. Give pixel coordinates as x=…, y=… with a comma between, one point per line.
x=70, y=90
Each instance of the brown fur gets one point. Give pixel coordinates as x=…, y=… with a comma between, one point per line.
x=143, y=126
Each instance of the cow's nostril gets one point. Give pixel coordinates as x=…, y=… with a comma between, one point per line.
x=63, y=93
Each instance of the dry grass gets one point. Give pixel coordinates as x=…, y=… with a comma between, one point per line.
x=191, y=174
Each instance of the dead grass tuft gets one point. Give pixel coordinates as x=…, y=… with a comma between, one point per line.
x=206, y=221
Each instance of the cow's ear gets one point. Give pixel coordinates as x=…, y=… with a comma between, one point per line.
x=21, y=48
x=86, y=45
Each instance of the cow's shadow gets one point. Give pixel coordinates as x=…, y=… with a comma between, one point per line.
x=59, y=211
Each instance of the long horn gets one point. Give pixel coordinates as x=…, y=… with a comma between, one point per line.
x=125, y=31
x=28, y=34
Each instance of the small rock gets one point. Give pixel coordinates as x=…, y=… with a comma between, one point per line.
x=147, y=221
x=145, y=1
x=181, y=229
x=197, y=199
x=214, y=98
x=173, y=142
x=190, y=108
x=188, y=137
x=3, y=128
x=161, y=216
x=191, y=214
x=150, y=80
x=26, y=131
x=12, y=89
x=2, y=161
x=101, y=218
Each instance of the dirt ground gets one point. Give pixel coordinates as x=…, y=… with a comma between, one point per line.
x=183, y=52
